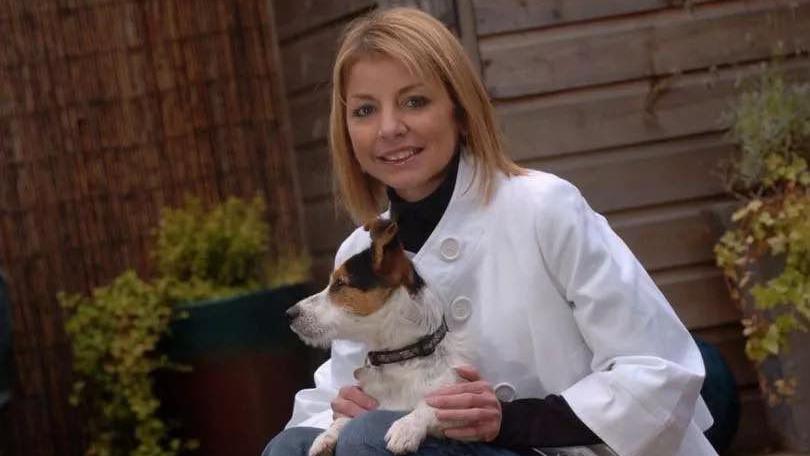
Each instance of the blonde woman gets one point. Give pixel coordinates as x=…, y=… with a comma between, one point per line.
x=575, y=344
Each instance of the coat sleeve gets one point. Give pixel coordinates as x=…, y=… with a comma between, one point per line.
x=312, y=407
x=646, y=369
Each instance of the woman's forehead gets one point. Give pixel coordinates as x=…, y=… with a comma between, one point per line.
x=374, y=72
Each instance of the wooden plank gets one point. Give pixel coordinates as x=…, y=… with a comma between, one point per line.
x=645, y=175
x=699, y=296
x=626, y=114
x=314, y=172
x=671, y=42
x=309, y=112
x=513, y=15
x=326, y=227
x=671, y=236
x=299, y=16
x=308, y=61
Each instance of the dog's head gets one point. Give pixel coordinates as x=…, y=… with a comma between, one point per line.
x=366, y=290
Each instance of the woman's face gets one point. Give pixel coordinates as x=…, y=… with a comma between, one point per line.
x=402, y=128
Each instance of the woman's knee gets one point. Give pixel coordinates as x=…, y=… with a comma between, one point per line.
x=292, y=442
x=365, y=435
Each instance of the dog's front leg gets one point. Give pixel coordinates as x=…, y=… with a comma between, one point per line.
x=324, y=444
x=407, y=433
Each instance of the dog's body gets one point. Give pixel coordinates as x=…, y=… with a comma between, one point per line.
x=377, y=298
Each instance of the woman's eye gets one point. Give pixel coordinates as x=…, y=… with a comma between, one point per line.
x=416, y=102
x=363, y=111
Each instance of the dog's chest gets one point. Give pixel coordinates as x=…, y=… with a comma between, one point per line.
x=400, y=387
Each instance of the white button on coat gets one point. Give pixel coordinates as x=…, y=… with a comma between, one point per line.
x=450, y=249
x=460, y=309
x=505, y=392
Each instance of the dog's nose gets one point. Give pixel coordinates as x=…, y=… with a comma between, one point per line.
x=293, y=312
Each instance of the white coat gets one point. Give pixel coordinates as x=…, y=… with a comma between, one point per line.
x=558, y=305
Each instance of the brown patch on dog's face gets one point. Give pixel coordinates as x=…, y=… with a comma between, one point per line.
x=358, y=302
x=365, y=281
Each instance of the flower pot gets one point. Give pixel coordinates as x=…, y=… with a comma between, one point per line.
x=246, y=365
x=787, y=419
x=790, y=418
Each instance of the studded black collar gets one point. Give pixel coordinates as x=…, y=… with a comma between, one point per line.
x=423, y=347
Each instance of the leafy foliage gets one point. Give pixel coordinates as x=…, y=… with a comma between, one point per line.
x=222, y=252
x=772, y=227
x=200, y=255
x=770, y=122
x=114, y=335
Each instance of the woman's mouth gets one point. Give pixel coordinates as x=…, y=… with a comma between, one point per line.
x=400, y=156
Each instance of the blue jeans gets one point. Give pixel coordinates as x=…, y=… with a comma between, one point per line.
x=365, y=436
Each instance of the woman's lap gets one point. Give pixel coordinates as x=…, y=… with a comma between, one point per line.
x=365, y=436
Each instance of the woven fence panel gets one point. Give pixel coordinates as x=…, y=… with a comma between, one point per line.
x=110, y=110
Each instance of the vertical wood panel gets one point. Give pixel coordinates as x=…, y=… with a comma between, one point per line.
x=109, y=111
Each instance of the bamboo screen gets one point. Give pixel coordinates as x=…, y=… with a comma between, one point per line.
x=108, y=111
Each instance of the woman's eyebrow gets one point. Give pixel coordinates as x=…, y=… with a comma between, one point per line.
x=410, y=87
x=407, y=88
x=362, y=96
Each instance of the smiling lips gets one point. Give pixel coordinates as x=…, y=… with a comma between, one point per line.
x=399, y=156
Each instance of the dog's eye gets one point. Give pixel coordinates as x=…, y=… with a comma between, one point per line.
x=337, y=283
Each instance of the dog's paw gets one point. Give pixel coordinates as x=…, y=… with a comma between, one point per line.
x=405, y=435
x=323, y=445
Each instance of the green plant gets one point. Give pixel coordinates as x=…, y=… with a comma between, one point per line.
x=771, y=125
x=221, y=252
x=114, y=335
x=200, y=254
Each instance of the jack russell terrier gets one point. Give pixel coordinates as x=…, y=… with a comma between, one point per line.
x=376, y=297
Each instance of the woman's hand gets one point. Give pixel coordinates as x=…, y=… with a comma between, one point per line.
x=351, y=401
x=467, y=411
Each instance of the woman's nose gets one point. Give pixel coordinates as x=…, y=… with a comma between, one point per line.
x=391, y=125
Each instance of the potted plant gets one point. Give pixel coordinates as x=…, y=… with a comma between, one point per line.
x=246, y=364
x=202, y=343
x=765, y=253
x=114, y=333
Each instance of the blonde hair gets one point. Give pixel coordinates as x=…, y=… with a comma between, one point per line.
x=427, y=49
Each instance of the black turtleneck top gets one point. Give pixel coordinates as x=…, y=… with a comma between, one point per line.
x=525, y=423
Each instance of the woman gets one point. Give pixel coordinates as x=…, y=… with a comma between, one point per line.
x=575, y=344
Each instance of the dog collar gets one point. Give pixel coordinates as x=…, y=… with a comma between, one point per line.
x=422, y=347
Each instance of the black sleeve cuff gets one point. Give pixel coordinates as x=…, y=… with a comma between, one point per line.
x=549, y=422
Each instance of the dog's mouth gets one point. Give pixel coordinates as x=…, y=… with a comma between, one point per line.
x=312, y=334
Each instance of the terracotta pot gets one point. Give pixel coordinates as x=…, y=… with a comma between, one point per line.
x=246, y=365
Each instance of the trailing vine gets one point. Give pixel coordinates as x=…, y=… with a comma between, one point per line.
x=200, y=254
x=765, y=256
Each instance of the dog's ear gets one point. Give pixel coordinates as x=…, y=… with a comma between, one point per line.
x=387, y=255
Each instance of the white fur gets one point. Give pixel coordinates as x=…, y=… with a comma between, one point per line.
x=401, y=321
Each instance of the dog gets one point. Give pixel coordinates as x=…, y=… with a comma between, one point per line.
x=376, y=297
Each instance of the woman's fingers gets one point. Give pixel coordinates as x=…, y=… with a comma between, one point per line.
x=459, y=388
x=342, y=407
x=468, y=373
x=461, y=401
x=462, y=418
x=352, y=401
x=356, y=395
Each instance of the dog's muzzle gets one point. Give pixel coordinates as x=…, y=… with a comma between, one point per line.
x=293, y=313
